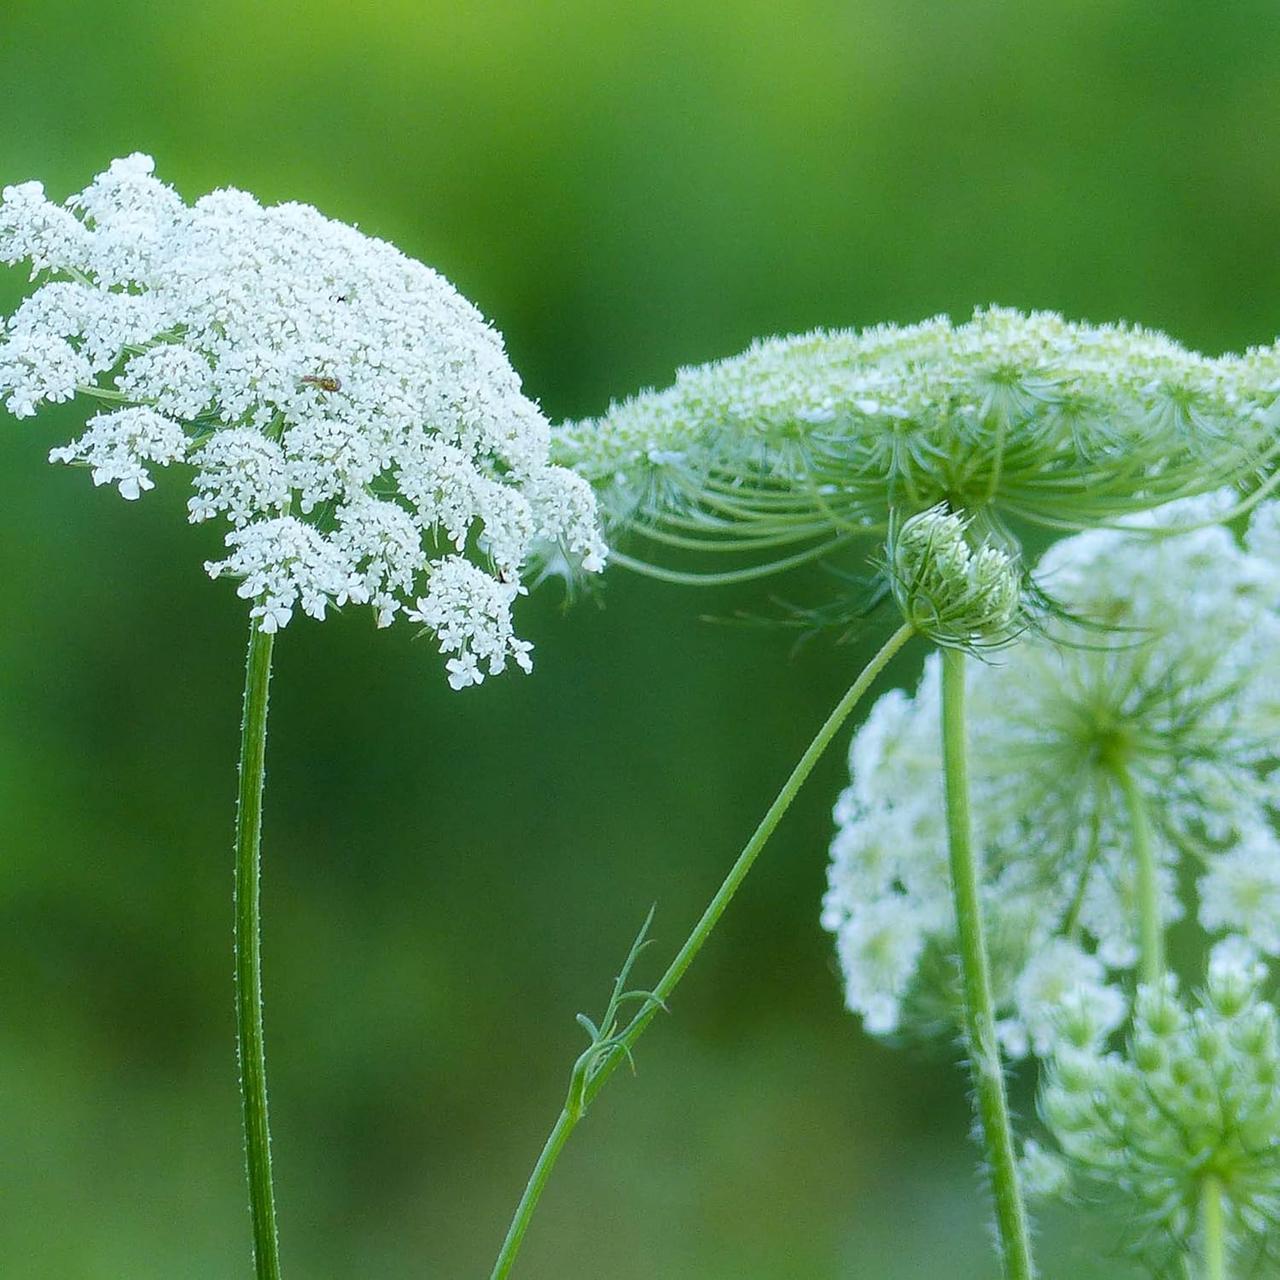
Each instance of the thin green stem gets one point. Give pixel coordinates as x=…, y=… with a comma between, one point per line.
x=589, y=1078
x=559, y=1135
x=248, y=940
x=1071, y=921
x=1150, y=925
x=1213, y=1226
x=694, y=579
x=979, y=1009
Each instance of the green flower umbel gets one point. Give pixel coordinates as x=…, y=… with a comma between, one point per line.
x=1184, y=1123
x=790, y=448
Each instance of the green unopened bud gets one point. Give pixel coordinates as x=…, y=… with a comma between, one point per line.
x=955, y=595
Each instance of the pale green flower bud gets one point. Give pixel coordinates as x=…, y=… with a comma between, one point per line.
x=1044, y=1174
x=949, y=592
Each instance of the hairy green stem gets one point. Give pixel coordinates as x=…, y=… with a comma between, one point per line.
x=248, y=942
x=1214, y=1229
x=1150, y=925
x=979, y=1009
x=582, y=1089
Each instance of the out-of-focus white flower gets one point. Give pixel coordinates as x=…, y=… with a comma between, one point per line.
x=353, y=418
x=1241, y=891
x=1164, y=668
x=1060, y=972
x=879, y=949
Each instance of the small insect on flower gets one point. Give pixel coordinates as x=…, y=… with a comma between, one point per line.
x=323, y=383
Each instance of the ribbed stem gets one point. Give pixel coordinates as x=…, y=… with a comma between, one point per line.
x=581, y=1097
x=1150, y=925
x=979, y=1009
x=1213, y=1228
x=248, y=942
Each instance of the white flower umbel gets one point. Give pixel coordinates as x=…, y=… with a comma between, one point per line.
x=352, y=419
x=350, y=415
x=1150, y=720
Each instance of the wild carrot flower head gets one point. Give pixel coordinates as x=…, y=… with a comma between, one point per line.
x=804, y=442
x=350, y=416
x=1193, y=1095
x=1168, y=679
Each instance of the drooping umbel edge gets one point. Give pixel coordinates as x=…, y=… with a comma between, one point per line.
x=784, y=453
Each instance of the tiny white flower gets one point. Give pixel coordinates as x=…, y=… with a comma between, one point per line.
x=879, y=948
x=1058, y=972
x=1241, y=891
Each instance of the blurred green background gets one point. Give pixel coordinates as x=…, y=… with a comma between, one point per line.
x=449, y=878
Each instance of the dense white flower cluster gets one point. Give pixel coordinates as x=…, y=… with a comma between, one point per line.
x=812, y=438
x=119, y=446
x=1165, y=677
x=352, y=417
x=1193, y=1096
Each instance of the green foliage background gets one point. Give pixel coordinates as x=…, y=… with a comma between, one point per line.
x=623, y=187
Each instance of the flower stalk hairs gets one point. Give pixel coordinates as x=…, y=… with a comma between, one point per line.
x=351, y=420
x=934, y=442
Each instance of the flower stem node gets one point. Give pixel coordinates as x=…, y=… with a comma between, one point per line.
x=955, y=595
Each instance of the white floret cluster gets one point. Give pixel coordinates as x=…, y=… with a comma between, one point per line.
x=353, y=418
x=1164, y=667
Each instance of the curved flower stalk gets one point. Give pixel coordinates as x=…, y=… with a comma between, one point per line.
x=1178, y=1130
x=351, y=419
x=1111, y=755
x=614, y=1039
x=799, y=444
